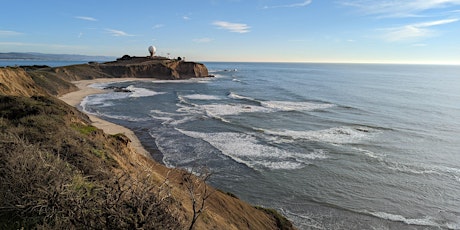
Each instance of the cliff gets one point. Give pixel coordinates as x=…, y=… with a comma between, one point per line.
x=57, y=171
x=16, y=82
x=126, y=67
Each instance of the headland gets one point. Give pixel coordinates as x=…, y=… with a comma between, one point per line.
x=62, y=170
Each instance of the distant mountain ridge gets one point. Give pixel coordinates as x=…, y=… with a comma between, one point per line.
x=52, y=57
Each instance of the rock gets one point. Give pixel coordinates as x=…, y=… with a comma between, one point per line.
x=132, y=67
x=119, y=89
x=125, y=57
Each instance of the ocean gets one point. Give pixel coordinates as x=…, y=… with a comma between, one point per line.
x=25, y=62
x=330, y=146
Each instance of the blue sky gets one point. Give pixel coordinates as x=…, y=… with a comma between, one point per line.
x=387, y=31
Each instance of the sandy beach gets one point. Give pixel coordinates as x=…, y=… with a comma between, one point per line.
x=74, y=99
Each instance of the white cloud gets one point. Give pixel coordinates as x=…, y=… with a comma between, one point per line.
x=402, y=8
x=186, y=18
x=158, y=26
x=232, y=27
x=86, y=18
x=118, y=33
x=300, y=4
x=202, y=40
x=414, y=31
x=437, y=23
x=9, y=33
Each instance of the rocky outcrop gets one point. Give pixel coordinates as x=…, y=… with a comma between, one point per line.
x=130, y=67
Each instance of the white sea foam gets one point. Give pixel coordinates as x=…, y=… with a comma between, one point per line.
x=232, y=109
x=402, y=167
x=160, y=115
x=239, y=97
x=284, y=105
x=201, y=97
x=186, y=81
x=100, y=100
x=125, y=118
x=336, y=135
x=294, y=106
x=411, y=169
x=104, y=100
x=426, y=221
x=379, y=157
x=246, y=149
x=142, y=92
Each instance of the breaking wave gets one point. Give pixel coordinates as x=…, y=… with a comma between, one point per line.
x=336, y=135
x=201, y=97
x=247, y=149
x=141, y=92
x=426, y=221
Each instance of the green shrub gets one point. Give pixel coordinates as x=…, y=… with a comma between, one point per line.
x=281, y=221
x=84, y=129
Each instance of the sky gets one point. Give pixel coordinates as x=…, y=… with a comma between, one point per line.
x=363, y=31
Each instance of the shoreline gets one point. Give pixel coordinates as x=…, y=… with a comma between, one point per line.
x=75, y=98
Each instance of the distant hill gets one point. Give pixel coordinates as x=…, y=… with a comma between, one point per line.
x=53, y=57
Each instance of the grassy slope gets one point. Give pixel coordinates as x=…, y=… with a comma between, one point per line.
x=57, y=171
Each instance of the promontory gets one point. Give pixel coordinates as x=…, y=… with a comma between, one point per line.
x=58, y=171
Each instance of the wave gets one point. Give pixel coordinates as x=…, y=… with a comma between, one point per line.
x=100, y=100
x=410, y=168
x=284, y=105
x=220, y=110
x=160, y=115
x=94, y=101
x=294, y=106
x=247, y=149
x=124, y=118
x=336, y=135
x=104, y=100
x=201, y=97
x=141, y=92
x=232, y=109
x=186, y=81
x=239, y=97
x=426, y=221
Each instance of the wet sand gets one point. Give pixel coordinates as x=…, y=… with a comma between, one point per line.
x=74, y=99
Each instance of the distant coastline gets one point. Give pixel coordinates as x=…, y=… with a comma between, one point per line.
x=14, y=59
x=51, y=57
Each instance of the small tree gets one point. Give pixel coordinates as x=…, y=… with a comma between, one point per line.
x=199, y=192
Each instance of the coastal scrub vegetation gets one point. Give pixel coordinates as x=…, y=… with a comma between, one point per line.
x=57, y=171
x=54, y=174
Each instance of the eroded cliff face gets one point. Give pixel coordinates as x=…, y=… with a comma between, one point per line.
x=136, y=67
x=16, y=82
x=54, y=159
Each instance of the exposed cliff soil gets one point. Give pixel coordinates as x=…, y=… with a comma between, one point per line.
x=57, y=171
x=56, y=80
x=17, y=82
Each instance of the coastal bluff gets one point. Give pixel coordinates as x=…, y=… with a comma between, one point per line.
x=125, y=67
x=58, y=171
x=134, y=67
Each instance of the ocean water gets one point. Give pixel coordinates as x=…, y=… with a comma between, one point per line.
x=20, y=62
x=331, y=146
